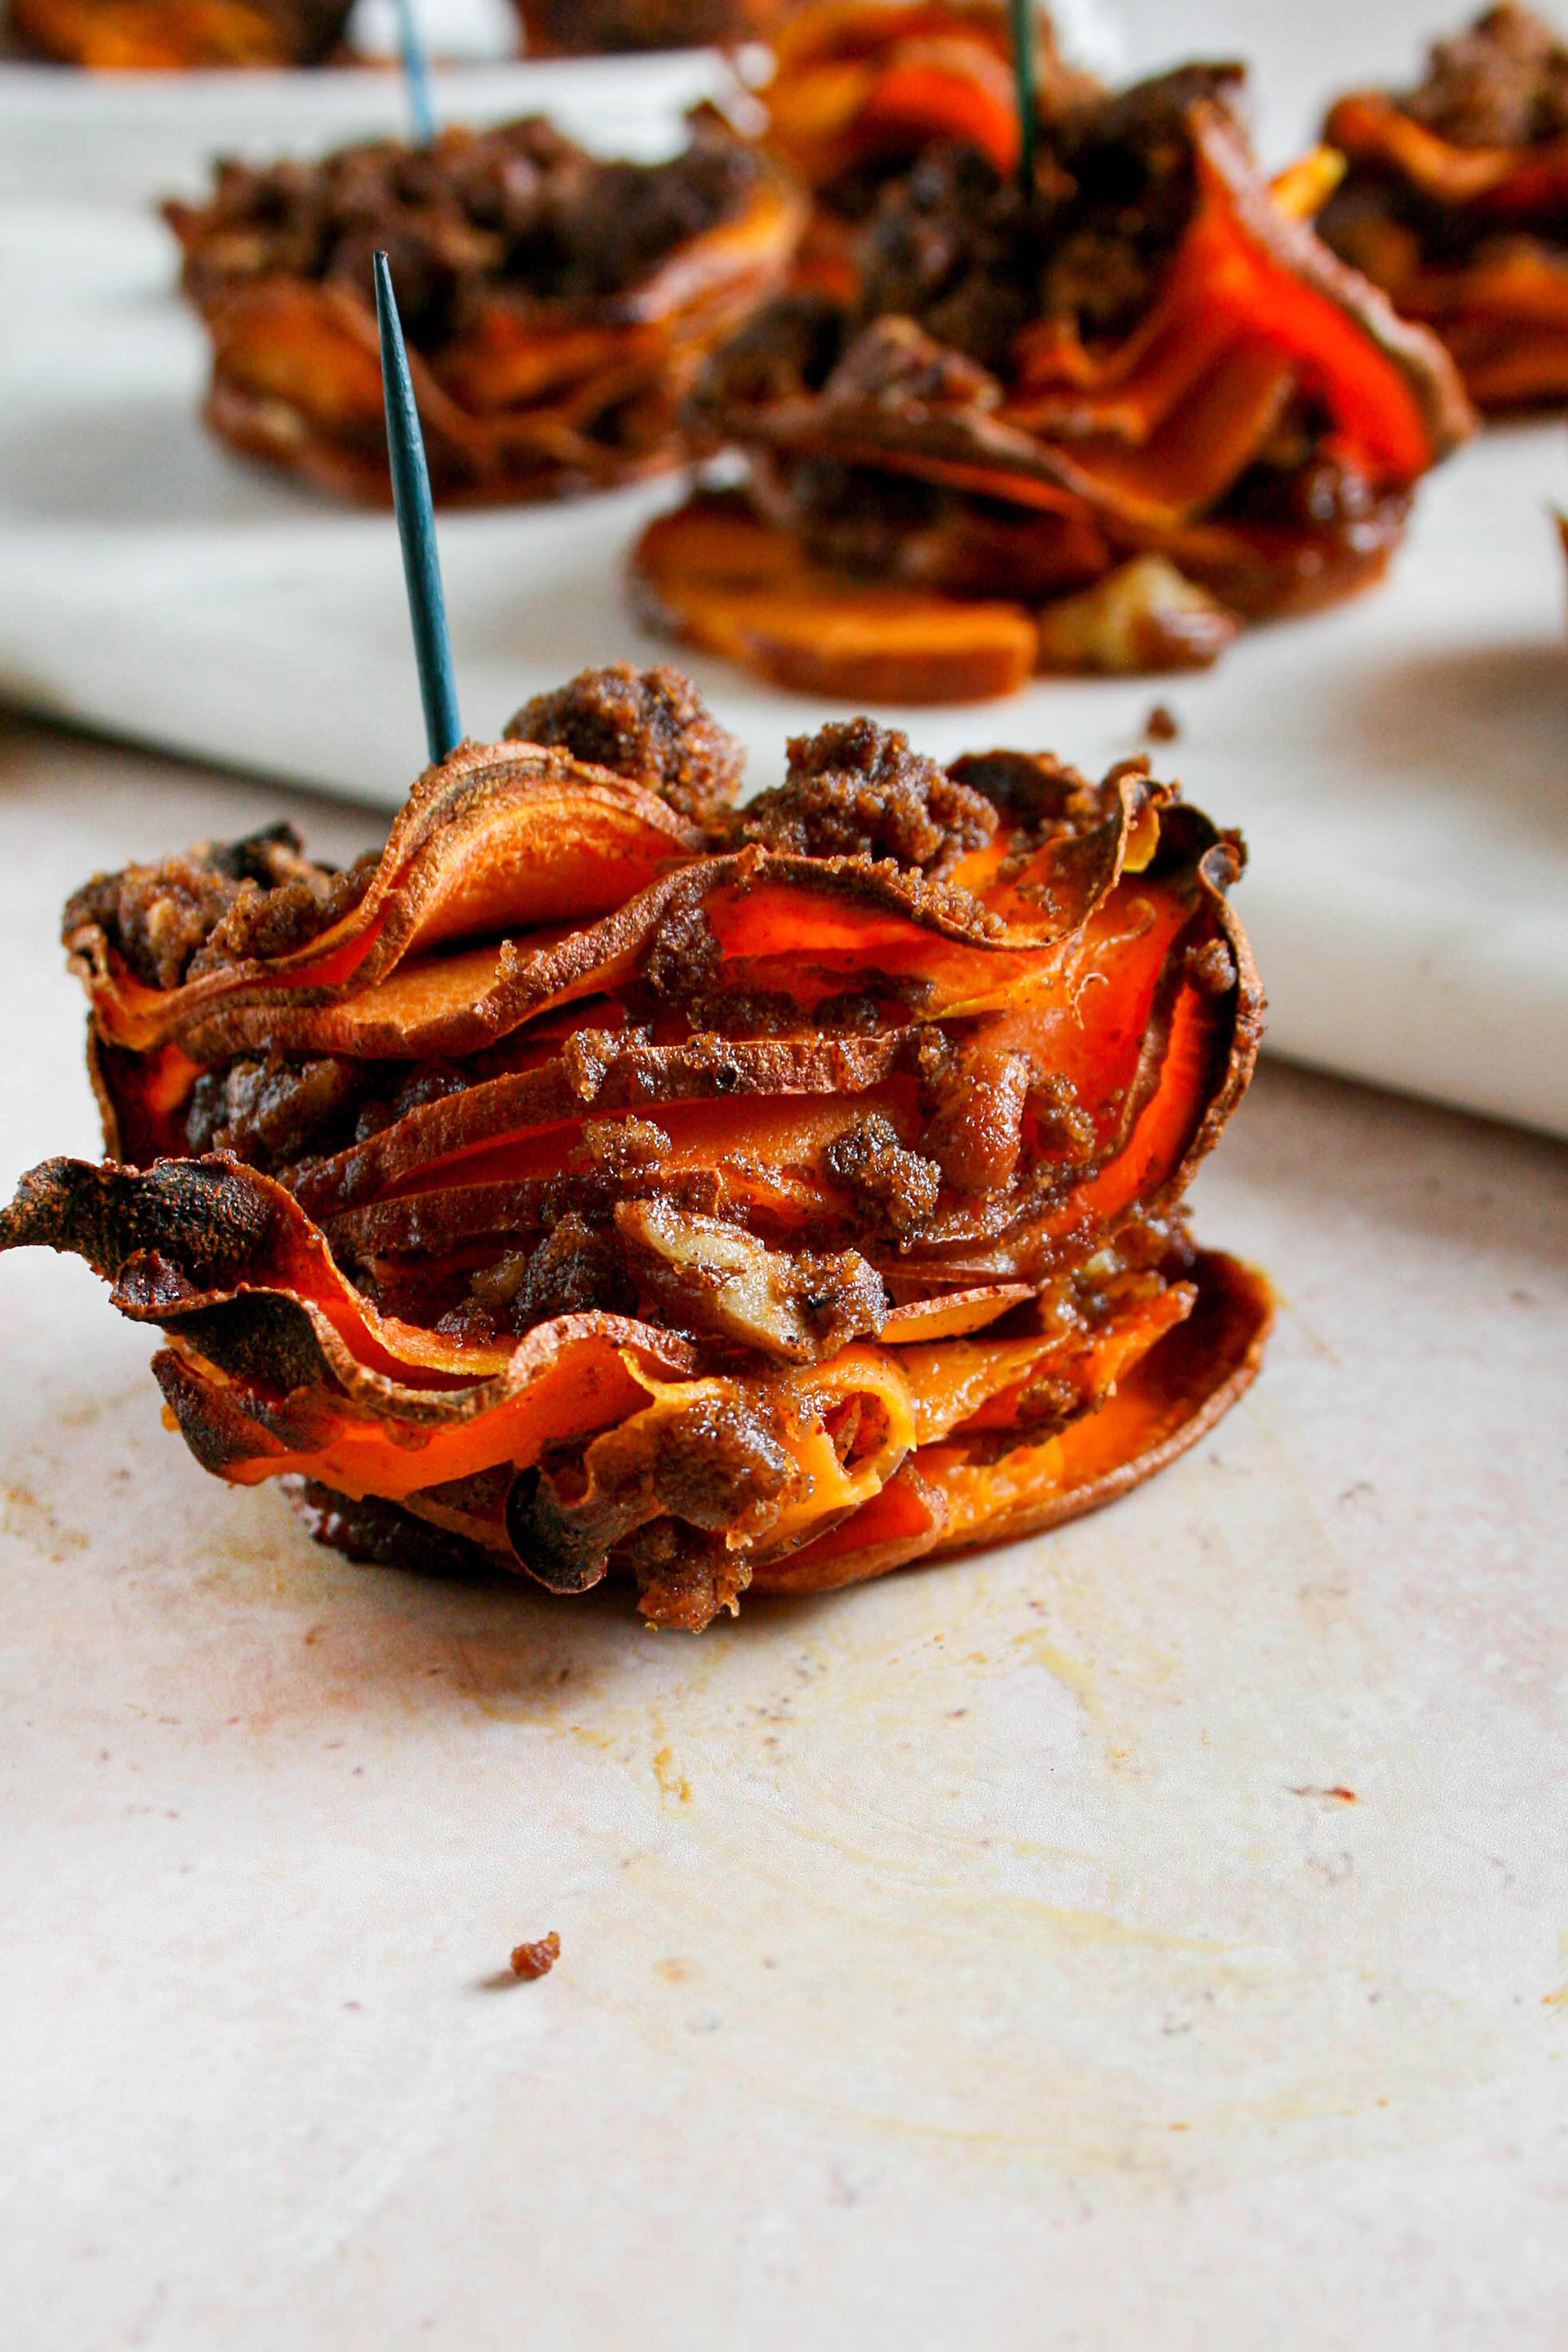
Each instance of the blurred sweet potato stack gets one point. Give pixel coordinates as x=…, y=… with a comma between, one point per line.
x=1456, y=203
x=862, y=89
x=556, y=306
x=574, y=28
x=604, y=1180
x=1093, y=430
x=172, y=36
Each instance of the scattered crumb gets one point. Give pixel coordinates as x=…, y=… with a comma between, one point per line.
x=531, y=1960
x=1344, y=1796
x=1160, y=726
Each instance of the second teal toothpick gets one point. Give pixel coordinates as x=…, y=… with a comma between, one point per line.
x=416, y=69
x=416, y=528
x=1023, y=75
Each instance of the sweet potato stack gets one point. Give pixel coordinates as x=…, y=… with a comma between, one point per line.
x=556, y=306
x=128, y=36
x=862, y=89
x=1094, y=430
x=603, y=1180
x=1456, y=203
x=576, y=28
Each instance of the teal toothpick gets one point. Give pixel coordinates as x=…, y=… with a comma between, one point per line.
x=416, y=528
x=416, y=69
x=1023, y=76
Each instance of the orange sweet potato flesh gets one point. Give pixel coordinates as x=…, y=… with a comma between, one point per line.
x=940, y=1503
x=874, y=82
x=843, y=1289
x=362, y=1432
x=1508, y=184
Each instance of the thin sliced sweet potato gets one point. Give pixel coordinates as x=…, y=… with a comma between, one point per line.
x=717, y=576
x=500, y=837
x=862, y=84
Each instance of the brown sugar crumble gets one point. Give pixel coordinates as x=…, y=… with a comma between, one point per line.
x=1160, y=726
x=531, y=1960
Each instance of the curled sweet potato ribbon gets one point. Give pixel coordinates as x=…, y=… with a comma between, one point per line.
x=1501, y=184
x=1080, y=959
x=500, y=837
x=856, y=84
x=577, y=868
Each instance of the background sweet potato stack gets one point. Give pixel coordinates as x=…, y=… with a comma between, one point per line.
x=125, y=36
x=603, y=1180
x=575, y=28
x=861, y=89
x=1093, y=430
x=1456, y=203
x=556, y=306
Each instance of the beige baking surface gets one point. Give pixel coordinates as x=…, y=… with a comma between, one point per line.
x=975, y=1959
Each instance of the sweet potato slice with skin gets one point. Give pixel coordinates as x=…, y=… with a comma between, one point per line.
x=1246, y=279
x=499, y=837
x=925, y=99
x=189, y=1234
x=1087, y=995
x=1463, y=232
x=954, y=1315
x=361, y=1432
x=1248, y=270
x=857, y=84
x=1139, y=440
x=937, y=1504
x=1503, y=316
x=717, y=576
x=1503, y=182
x=508, y=1128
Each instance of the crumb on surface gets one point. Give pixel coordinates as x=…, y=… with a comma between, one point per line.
x=531, y=1960
x=1160, y=726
